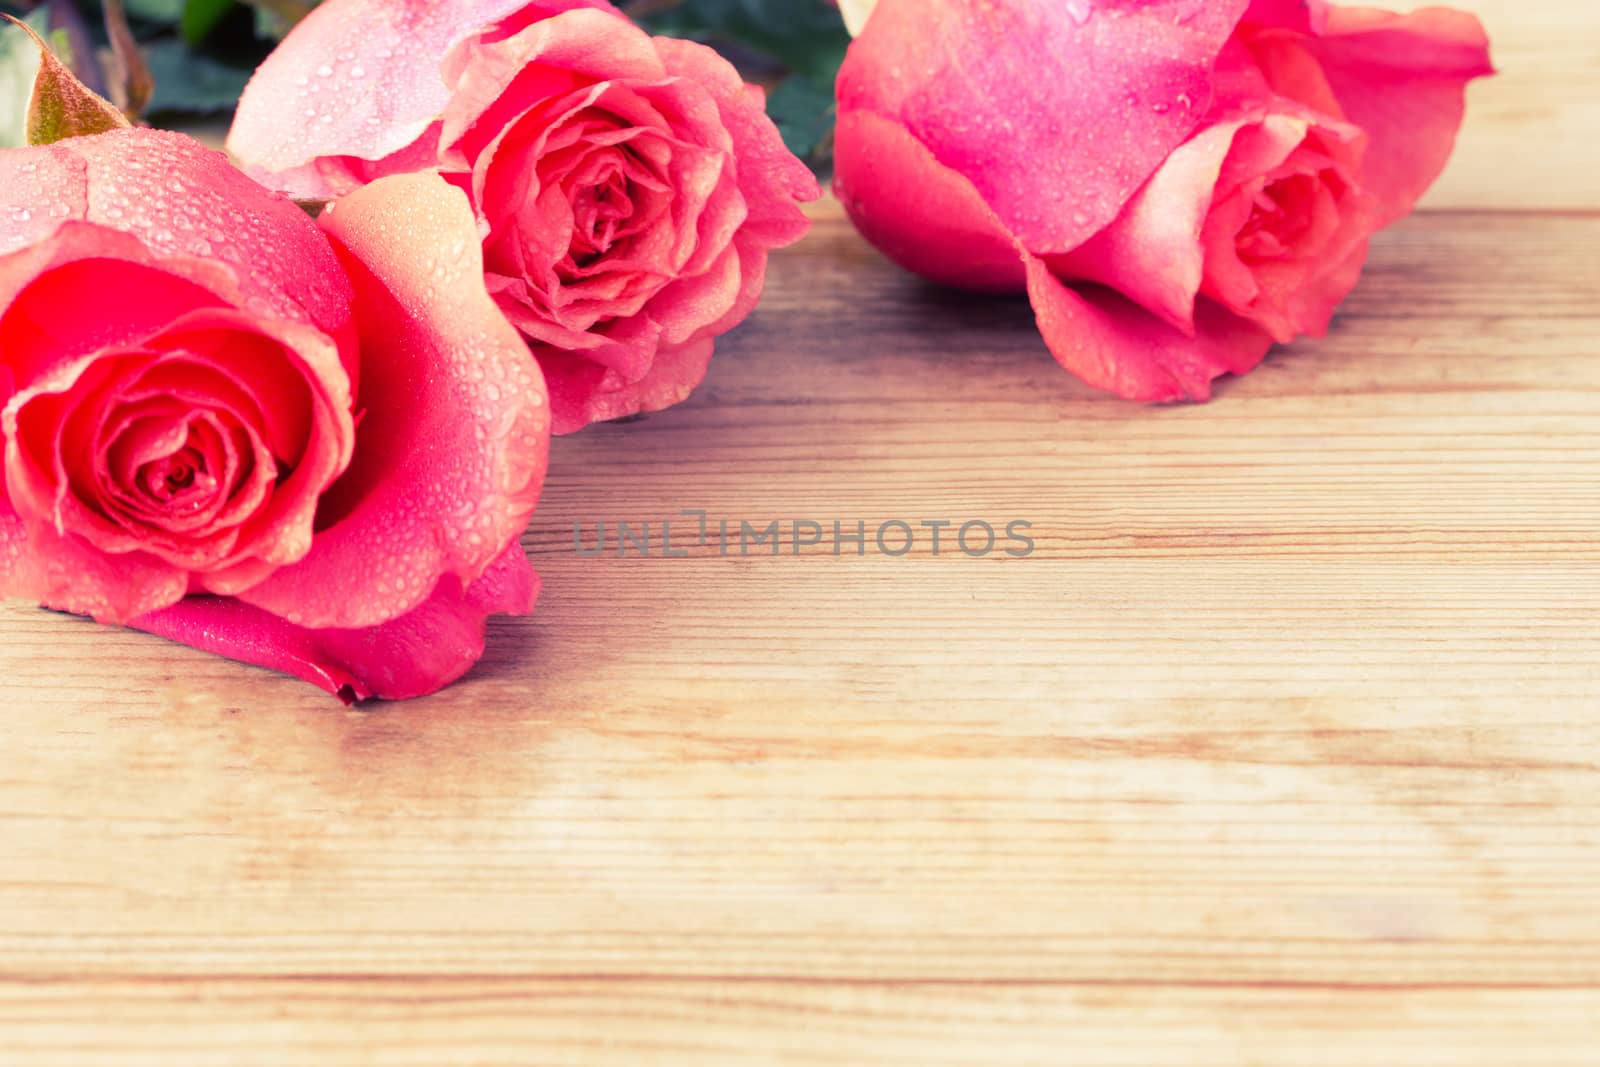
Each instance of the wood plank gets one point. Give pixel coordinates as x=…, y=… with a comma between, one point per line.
x=1278, y=749
x=477, y=1023
x=1294, y=689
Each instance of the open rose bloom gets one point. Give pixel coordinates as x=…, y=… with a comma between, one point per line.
x=1176, y=184
x=627, y=188
x=312, y=448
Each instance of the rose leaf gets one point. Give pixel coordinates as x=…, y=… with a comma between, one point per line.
x=62, y=106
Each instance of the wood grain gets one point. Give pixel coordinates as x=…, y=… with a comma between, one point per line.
x=626, y=1023
x=1276, y=750
x=1528, y=140
x=1279, y=749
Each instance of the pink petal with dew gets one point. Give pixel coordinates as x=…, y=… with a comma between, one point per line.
x=454, y=434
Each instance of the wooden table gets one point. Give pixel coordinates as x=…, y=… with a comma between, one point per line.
x=1282, y=748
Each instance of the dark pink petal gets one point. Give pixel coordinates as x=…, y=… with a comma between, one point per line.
x=1302, y=16
x=46, y=339
x=1116, y=345
x=1090, y=95
x=938, y=227
x=416, y=654
x=358, y=78
x=42, y=320
x=451, y=451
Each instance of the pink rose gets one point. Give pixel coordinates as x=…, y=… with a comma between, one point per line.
x=628, y=188
x=312, y=449
x=1176, y=184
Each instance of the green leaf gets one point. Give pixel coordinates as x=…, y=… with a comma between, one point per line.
x=19, y=67
x=201, y=17
x=807, y=36
x=804, y=112
x=190, y=83
x=61, y=105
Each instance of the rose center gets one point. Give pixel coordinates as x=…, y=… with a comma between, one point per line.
x=1281, y=215
x=183, y=478
x=599, y=210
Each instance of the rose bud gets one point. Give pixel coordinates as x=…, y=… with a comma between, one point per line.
x=1175, y=184
x=628, y=188
x=309, y=448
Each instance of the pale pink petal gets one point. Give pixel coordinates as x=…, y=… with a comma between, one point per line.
x=1057, y=112
x=358, y=78
x=45, y=186
x=1104, y=338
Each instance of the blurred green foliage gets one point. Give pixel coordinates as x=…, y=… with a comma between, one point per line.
x=202, y=52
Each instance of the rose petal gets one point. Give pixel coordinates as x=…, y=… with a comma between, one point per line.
x=45, y=187
x=42, y=306
x=1114, y=344
x=582, y=391
x=1152, y=252
x=936, y=210
x=358, y=78
x=137, y=296
x=451, y=451
x=770, y=176
x=1298, y=15
x=65, y=572
x=1092, y=97
x=1100, y=336
x=416, y=654
x=1401, y=79
x=181, y=199
x=484, y=76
